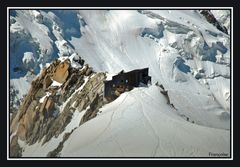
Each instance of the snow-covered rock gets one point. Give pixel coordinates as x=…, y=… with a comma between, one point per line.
x=28, y=60
x=223, y=16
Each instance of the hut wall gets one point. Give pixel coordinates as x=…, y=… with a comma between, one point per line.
x=125, y=81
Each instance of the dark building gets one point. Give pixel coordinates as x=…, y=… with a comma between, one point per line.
x=124, y=82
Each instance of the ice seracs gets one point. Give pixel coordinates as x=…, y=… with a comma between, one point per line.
x=28, y=60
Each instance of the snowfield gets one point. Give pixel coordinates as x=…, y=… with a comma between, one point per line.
x=140, y=124
x=120, y=46
x=184, y=52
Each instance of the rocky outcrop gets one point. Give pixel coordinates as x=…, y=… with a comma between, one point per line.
x=165, y=93
x=56, y=151
x=15, y=149
x=61, y=72
x=47, y=82
x=211, y=19
x=96, y=103
x=47, y=109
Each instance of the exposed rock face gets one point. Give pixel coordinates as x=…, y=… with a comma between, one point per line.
x=165, y=93
x=211, y=19
x=93, y=110
x=88, y=71
x=40, y=118
x=47, y=82
x=15, y=149
x=61, y=72
x=56, y=151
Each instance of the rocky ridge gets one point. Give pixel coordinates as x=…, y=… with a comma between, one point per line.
x=58, y=92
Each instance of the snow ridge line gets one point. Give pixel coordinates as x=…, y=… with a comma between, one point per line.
x=108, y=125
x=111, y=118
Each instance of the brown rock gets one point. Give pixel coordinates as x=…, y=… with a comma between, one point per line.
x=88, y=72
x=43, y=105
x=117, y=93
x=61, y=73
x=15, y=149
x=56, y=62
x=26, y=123
x=95, y=104
x=21, y=133
x=82, y=105
x=76, y=103
x=47, y=82
x=84, y=69
x=70, y=82
x=43, y=73
x=53, y=90
x=40, y=93
x=35, y=122
x=49, y=104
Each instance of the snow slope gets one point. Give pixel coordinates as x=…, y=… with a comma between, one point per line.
x=114, y=40
x=140, y=124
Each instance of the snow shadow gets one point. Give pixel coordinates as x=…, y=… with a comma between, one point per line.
x=179, y=63
x=209, y=53
x=12, y=13
x=70, y=23
x=153, y=32
x=16, y=54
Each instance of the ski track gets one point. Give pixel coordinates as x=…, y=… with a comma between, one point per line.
x=149, y=122
x=107, y=126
